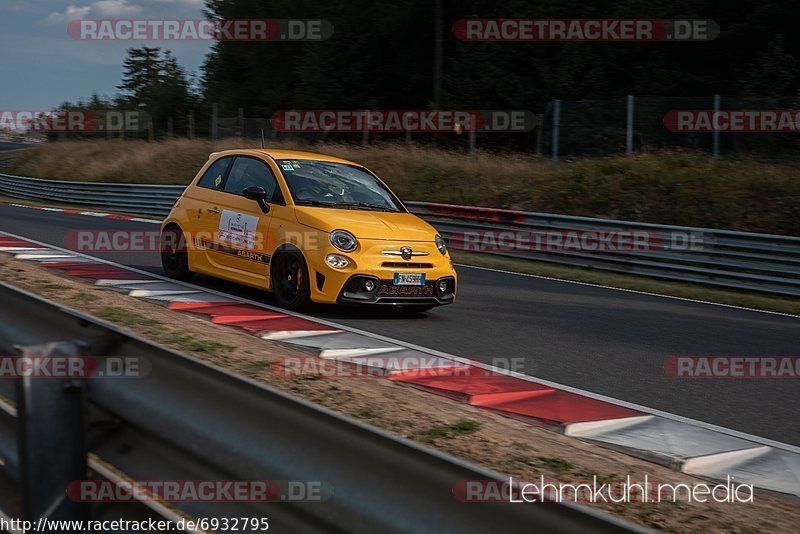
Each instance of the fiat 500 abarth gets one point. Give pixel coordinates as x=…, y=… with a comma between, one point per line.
x=306, y=227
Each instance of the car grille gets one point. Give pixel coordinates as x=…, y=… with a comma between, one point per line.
x=387, y=289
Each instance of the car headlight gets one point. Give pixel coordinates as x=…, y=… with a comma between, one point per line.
x=336, y=261
x=343, y=240
x=440, y=245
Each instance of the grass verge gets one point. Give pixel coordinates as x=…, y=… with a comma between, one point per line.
x=669, y=187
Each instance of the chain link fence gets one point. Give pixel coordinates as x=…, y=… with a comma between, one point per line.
x=636, y=124
x=563, y=129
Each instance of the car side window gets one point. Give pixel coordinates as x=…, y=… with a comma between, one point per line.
x=214, y=177
x=247, y=172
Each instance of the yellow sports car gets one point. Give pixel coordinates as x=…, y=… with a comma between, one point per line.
x=306, y=227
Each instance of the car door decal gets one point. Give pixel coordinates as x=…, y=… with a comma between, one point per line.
x=238, y=228
x=248, y=255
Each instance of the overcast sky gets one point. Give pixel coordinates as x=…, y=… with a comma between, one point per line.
x=42, y=66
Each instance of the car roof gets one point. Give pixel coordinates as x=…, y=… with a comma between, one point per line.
x=277, y=153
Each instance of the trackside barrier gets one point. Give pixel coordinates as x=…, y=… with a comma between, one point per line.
x=740, y=260
x=188, y=420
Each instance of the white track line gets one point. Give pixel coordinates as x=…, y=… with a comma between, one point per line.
x=744, y=308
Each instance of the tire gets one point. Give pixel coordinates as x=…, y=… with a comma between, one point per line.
x=290, y=283
x=174, y=258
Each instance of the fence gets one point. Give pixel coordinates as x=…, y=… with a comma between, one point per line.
x=564, y=128
x=741, y=260
x=632, y=124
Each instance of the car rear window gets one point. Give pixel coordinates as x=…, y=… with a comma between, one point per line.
x=214, y=177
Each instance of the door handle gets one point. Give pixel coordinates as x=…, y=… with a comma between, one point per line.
x=212, y=210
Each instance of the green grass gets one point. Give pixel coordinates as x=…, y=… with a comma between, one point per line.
x=50, y=286
x=559, y=465
x=192, y=344
x=83, y=297
x=125, y=317
x=460, y=427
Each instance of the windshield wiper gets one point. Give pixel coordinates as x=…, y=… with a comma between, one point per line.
x=320, y=203
x=364, y=205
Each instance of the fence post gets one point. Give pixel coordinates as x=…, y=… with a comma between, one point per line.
x=191, y=125
x=629, y=128
x=539, y=127
x=715, y=134
x=170, y=128
x=51, y=436
x=240, y=123
x=471, y=134
x=556, y=127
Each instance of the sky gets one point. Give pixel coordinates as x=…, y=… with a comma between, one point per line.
x=41, y=66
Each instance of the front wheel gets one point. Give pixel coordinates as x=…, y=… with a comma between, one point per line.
x=290, y=283
x=174, y=258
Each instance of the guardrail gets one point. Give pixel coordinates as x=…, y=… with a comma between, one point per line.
x=740, y=260
x=140, y=199
x=184, y=419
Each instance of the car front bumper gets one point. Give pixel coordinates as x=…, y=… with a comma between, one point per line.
x=375, y=261
x=387, y=294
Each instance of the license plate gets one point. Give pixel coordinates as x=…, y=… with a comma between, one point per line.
x=408, y=279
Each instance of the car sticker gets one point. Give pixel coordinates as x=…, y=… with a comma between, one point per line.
x=218, y=180
x=287, y=167
x=238, y=228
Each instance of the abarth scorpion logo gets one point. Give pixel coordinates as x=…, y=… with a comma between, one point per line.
x=405, y=252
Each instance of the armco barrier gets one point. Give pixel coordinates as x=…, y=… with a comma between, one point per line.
x=741, y=260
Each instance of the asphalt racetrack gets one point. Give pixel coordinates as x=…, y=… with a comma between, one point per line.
x=602, y=340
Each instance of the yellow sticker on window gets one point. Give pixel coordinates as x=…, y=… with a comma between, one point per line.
x=218, y=180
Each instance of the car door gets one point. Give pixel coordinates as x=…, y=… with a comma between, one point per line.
x=201, y=205
x=241, y=242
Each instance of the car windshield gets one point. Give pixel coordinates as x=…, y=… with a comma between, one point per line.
x=336, y=185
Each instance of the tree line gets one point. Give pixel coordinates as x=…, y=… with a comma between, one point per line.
x=402, y=54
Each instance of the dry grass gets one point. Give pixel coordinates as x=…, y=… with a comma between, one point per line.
x=666, y=187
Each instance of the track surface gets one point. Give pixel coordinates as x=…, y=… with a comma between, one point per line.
x=8, y=145
x=606, y=341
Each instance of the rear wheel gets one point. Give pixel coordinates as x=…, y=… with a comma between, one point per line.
x=290, y=283
x=174, y=258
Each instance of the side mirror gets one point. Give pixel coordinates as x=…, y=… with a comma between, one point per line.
x=258, y=194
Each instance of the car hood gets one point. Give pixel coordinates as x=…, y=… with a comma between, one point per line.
x=367, y=224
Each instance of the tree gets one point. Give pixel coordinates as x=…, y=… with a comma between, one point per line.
x=155, y=83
